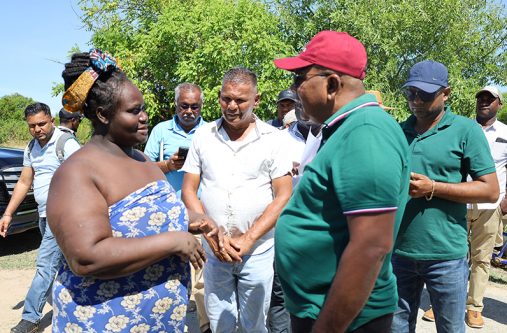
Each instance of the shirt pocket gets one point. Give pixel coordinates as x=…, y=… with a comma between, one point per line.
x=254, y=167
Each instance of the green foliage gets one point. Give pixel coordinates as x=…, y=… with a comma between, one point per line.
x=161, y=44
x=14, y=127
x=468, y=36
x=13, y=106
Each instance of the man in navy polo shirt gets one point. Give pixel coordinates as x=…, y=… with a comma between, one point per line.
x=431, y=247
x=334, y=238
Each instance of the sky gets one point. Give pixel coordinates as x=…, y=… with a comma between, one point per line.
x=35, y=39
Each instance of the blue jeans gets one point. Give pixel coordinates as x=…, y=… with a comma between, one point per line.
x=49, y=260
x=243, y=287
x=446, y=282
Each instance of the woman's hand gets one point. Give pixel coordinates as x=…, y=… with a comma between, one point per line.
x=200, y=223
x=189, y=249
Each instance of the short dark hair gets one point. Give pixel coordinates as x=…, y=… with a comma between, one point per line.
x=240, y=75
x=35, y=108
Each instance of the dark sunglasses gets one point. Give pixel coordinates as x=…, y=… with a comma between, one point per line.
x=300, y=79
x=485, y=97
x=193, y=107
x=412, y=93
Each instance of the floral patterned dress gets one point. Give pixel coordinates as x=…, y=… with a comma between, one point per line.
x=151, y=300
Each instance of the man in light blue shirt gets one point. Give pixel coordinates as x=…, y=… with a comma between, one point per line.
x=167, y=137
x=40, y=162
x=164, y=147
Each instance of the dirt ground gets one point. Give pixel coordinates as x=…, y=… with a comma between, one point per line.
x=15, y=283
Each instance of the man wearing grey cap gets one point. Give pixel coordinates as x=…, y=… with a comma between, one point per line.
x=484, y=218
x=285, y=103
x=69, y=121
x=431, y=247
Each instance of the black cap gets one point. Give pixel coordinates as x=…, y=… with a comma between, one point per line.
x=66, y=115
x=287, y=94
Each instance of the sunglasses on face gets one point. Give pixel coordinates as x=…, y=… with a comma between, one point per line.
x=486, y=98
x=299, y=79
x=193, y=107
x=412, y=93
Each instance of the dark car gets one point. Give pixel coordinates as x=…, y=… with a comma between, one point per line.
x=26, y=216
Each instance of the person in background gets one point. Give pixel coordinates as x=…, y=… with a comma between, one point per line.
x=69, y=122
x=431, y=247
x=289, y=119
x=378, y=96
x=40, y=162
x=168, y=136
x=484, y=218
x=240, y=164
x=128, y=243
x=167, y=140
x=285, y=103
x=349, y=201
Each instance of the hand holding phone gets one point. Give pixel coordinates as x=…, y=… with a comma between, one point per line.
x=182, y=153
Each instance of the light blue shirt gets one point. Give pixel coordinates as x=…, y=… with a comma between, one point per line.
x=44, y=162
x=173, y=136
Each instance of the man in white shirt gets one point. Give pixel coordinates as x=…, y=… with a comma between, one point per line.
x=485, y=218
x=40, y=162
x=240, y=163
x=303, y=141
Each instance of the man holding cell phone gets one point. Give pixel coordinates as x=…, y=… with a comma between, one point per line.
x=169, y=140
x=168, y=147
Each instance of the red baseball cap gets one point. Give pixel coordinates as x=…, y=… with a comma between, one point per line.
x=338, y=51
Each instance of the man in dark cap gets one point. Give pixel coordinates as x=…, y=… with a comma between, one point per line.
x=431, y=247
x=285, y=103
x=69, y=121
x=334, y=237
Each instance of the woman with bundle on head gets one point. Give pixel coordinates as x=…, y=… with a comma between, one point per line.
x=120, y=226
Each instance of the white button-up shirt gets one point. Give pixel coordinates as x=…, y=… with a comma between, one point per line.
x=496, y=134
x=236, y=175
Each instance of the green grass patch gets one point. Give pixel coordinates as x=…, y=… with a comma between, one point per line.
x=19, y=251
x=498, y=275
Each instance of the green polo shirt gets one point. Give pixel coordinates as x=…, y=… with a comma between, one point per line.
x=454, y=148
x=361, y=167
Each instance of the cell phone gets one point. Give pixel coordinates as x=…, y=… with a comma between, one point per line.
x=182, y=153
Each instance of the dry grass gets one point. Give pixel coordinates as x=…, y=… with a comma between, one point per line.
x=19, y=251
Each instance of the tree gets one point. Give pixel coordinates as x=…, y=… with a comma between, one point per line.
x=13, y=127
x=163, y=43
x=13, y=106
x=468, y=36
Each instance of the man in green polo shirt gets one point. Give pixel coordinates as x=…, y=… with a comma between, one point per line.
x=333, y=240
x=431, y=247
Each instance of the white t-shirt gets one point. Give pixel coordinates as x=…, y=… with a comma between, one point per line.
x=496, y=134
x=236, y=175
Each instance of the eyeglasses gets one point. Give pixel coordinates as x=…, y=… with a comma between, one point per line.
x=300, y=79
x=412, y=93
x=193, y=107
